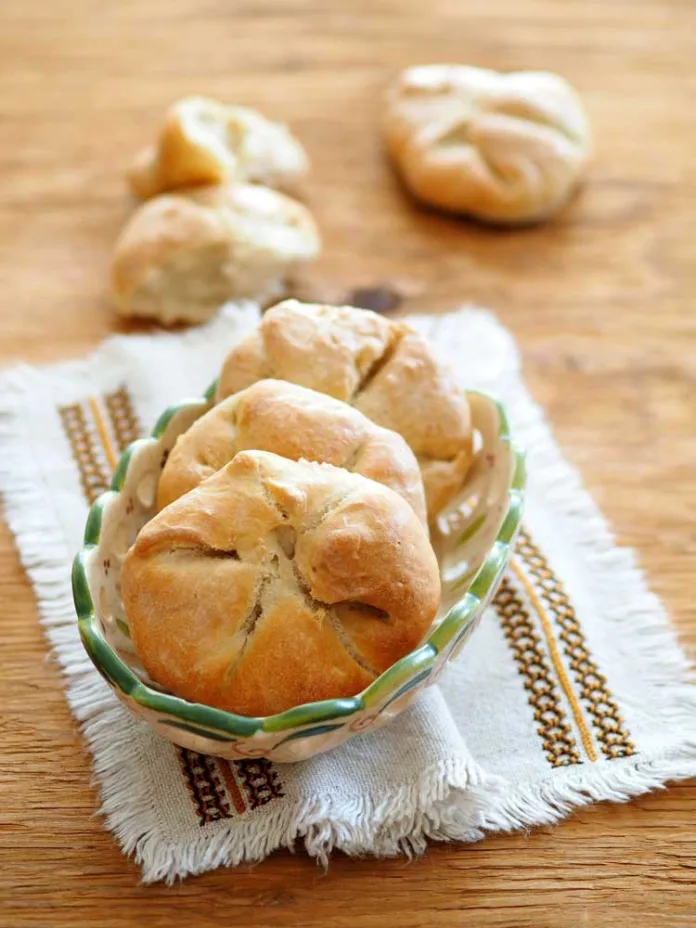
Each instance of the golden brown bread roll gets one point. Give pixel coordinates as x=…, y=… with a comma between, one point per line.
x=206, y=142
x=295, y=422
x=181, y=257
x=277, y=582
x=507, y=148
x=381, y=367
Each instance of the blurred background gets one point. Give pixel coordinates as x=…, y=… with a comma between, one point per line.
x=600, y=298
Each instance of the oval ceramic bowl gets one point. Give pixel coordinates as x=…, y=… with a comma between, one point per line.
x=472, y=540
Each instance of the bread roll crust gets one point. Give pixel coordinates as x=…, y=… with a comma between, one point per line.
x=294, y=422
x=278, y=582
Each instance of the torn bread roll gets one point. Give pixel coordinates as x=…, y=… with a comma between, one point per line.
x=203, y=142
x=277, y=582
x=382, y=367
x=294, y=422
x=181, y=256
x=505, y=148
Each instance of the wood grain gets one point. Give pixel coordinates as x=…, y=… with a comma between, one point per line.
x=602, y=301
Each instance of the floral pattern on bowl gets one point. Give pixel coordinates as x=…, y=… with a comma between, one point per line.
x=473, y=541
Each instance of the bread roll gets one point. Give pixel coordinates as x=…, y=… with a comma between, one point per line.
x=277, y=582
x=506, y=148
x=294, y=422
x=206, y=142
x=381, y=367
x=182, y=256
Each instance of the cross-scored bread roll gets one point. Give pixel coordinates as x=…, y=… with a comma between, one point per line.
x=507, y=148
x=277, y=582
x=206, y=142
x=295, y=422
x=182, y=256
x=383, y=368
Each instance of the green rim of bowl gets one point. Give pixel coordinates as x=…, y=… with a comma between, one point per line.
x=405, y=674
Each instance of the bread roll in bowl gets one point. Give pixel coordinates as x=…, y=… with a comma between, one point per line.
x=272, y=415
x=382, y=367
x=278, y=582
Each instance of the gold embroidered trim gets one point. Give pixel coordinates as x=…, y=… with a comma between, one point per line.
x=555, y=656
x=552, y=725
x=124, y=422
x=104, y=438
x=93, y=476
x=609, y=726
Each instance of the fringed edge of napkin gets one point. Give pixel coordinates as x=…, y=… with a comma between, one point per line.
x=667, y=675
x=444, y=809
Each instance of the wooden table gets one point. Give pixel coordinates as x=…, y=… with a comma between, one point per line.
x=602, y=301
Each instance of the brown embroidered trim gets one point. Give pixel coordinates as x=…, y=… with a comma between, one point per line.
x=124, y=422
x=260, y=781
x=609, y=726
x=204, y=786
x=94, y=478
x=552, y=725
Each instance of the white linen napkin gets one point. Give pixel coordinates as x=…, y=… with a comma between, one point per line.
x=572, y=690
